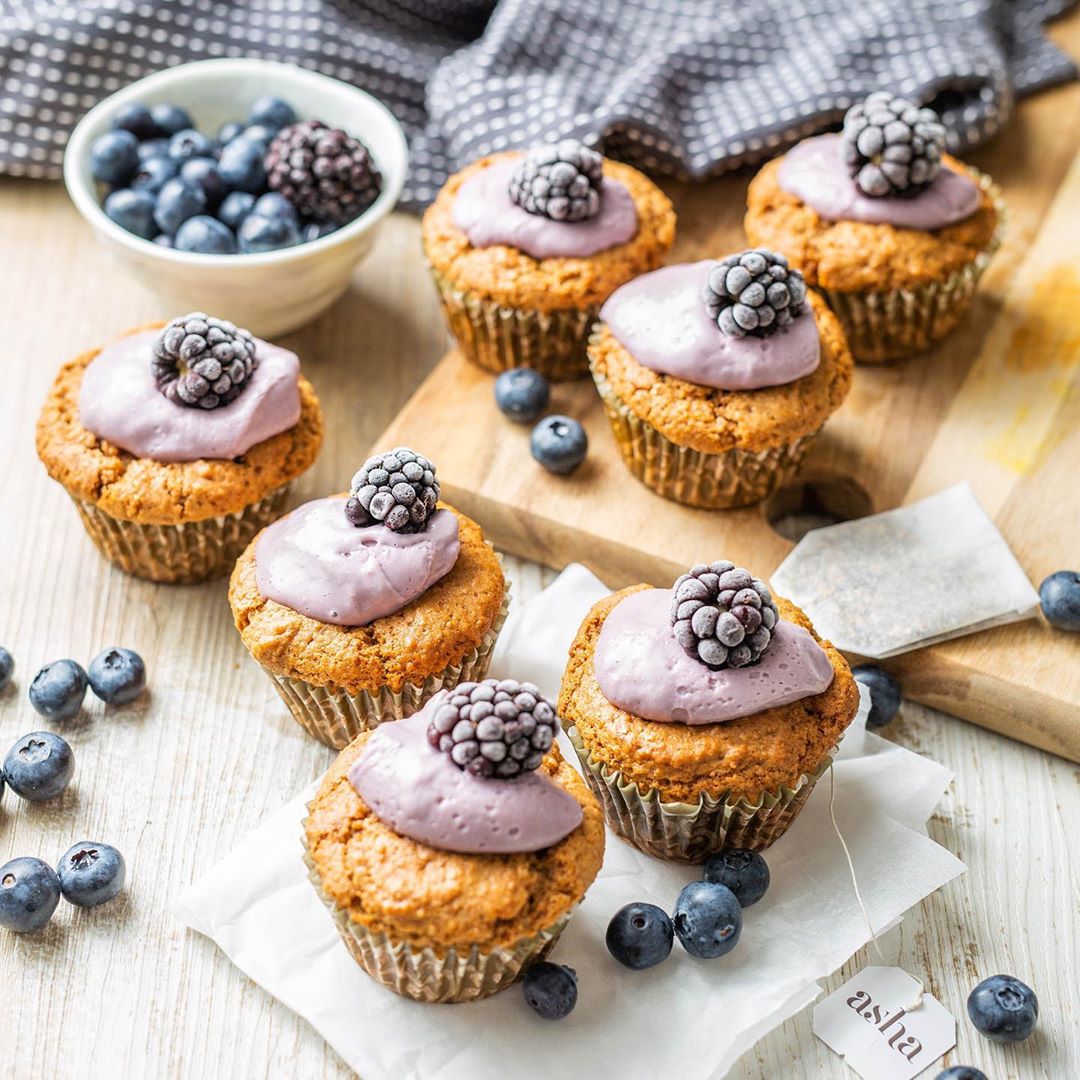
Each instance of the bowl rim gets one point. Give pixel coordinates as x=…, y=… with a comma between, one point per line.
x=86, y=201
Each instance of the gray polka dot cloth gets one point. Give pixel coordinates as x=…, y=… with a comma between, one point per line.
x=686, y=87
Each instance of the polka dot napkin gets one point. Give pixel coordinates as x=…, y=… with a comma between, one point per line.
x=689, y=87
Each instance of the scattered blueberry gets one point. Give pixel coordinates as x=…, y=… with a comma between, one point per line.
x=1003, y=1009
x=884, y=693
x=640, y=936
x=58, y=690
x=153, y=172
x=744, y=872
x=550, y=989
x=170, y=118
x=260, y=134
x=316, y=230
x=206, y=235
x=962, y=1072
x=177, y=201
x=559, y=444
x=522, y=394
x=241, y=165
x=91, y=873
x=228, y=131
x=188, y=144
x=708, y=919
x=117, y=676
x=132, y=210
x=271, y=112
x=235, y=207
x=153, y=148
x=39, y=766
x=258, y=233
x=135, y=118
x=274, y=205
x=114, y=157
x=205, y=173
x=7, y=666
x=1059, y=597
x=29, y=893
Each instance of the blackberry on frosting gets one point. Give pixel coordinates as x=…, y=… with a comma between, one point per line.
x=494, y=728
x=753, y=292
x=203, y=362
x=722, y=615
x=559, y=180
x=396, y=489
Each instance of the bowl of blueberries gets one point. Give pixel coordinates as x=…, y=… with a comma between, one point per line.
x=246, y=187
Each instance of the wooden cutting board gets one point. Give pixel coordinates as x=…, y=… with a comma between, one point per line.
x=997, y=404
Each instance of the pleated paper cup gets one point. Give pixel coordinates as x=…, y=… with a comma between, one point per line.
x=691, y=832
x=454, y=975
x=498, y=337
x=336, y=717
x=181, y=554
x=710, y=481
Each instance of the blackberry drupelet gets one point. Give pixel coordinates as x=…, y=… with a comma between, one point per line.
x=754, y=292
x=203, y=362
x=559, y=180
x=398, y=489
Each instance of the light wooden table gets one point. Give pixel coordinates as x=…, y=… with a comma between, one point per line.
x=125, y=991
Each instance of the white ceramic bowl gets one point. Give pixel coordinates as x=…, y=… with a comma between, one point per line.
x=268, y=293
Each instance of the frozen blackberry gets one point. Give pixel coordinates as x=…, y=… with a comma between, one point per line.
x=753, y=292
x=203, y=362
x=398, y=490
x=324, y=172
x=559, y=180
x=891, y=145
x=494, y=728
x=722, y=616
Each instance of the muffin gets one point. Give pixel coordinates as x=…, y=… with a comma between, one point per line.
x=361, y=606
x=891, y=230
x=178, y=443
x=524, y=249
x=449, y=862
x=703, y=715
x=706, y=411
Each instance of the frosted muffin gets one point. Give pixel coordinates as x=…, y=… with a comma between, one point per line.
x=451, y=847
x=892, y=231
x=524, y=249
x=706, y=411
x=178, y=443
x=703, y=714
x=361, y=606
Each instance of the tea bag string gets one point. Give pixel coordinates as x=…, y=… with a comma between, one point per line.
x=917, y=1003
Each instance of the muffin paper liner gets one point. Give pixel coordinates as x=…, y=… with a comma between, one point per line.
x=336, y=717
x=180, y=554
x=691, y=832
x=710, y=481
x=497, y=337
x=423, y=974
x=897, y=323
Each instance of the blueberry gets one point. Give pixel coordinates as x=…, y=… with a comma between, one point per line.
x=522, y=394
x=744, y=872
x=163, y=240
x=708, y=919
x=205, y=173
x=206, y=235
x=58, y=690
x=132, y=210
x=153, y=148
x=274, y=205
x=114, y=157
x=961, y=1072
x=39, y=766
x=188, y=144
x=259, y=134
x=177, y=201
x=316, y=230
x=884, y=693
x=550, y=989
x=640, y=935
x=153, y=172
x=29, y=893
x=228, y=131
x=559, y=444
x=235, y=207
x=241, y=165
x=135, y=118
x=271, y=112
x=170, y=118
x=117, y=676
x=1059, y=597
x=91, y=873
x=266, y=234
x=7, y=666
x=1003, y=1009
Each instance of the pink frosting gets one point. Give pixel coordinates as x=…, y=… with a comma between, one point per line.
x=120, y=402
x=661, y=320
x=485, y=213
x=815, y=172
x=420, y=793
x=317, y=562
x=641, y=668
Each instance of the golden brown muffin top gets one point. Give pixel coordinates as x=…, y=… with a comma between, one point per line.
x=436, y=899
x=854, y=256
x=438, y=628
x=713, y=421
x=740, y=758
x=166, y=493
x=509, y=276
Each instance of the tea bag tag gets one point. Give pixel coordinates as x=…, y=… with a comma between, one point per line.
x=884, y=1025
